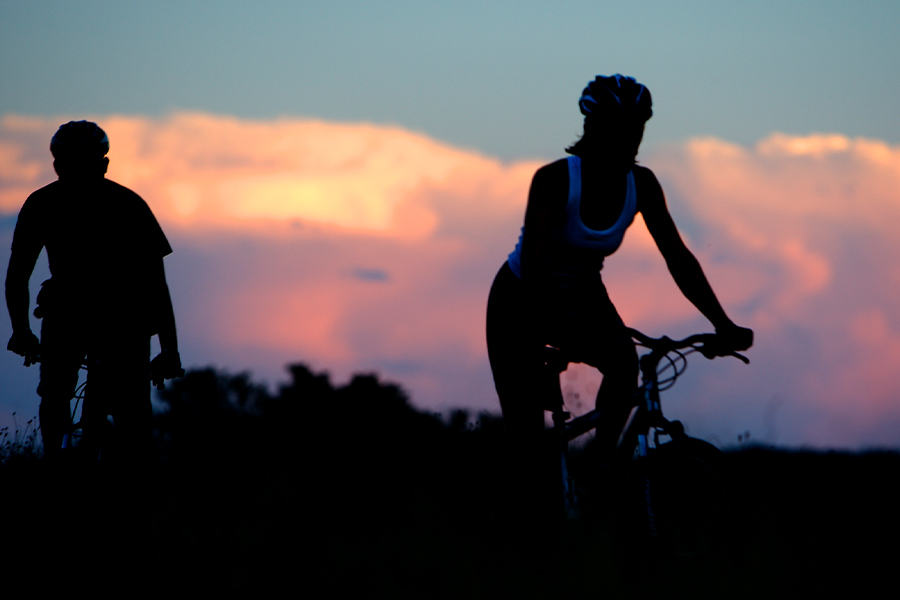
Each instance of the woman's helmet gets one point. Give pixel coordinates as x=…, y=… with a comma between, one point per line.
x=79, y=140
x=616, y=96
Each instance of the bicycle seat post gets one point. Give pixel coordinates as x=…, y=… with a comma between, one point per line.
x=560, y=417
x=555, y=362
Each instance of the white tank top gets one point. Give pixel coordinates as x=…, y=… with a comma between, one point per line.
x=576, y=251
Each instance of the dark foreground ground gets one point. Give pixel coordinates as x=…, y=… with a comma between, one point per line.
x=338, y=491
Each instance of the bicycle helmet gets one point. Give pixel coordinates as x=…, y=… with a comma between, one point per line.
x=79, y=139
x=616, y=95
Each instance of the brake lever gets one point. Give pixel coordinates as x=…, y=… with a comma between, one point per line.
x=737, y=355
x=742, y=358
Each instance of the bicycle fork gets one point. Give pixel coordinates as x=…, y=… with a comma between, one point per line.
x=570, y=499
x=650, y=411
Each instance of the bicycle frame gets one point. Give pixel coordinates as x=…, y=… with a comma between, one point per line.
x=73, y=437
x=70, y=437
x=647, y=416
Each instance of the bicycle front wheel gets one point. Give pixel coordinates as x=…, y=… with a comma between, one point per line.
x=688, y=499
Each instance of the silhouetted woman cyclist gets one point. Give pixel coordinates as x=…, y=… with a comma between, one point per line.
x=550, y=292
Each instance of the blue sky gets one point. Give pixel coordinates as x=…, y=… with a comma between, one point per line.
x=499, y=77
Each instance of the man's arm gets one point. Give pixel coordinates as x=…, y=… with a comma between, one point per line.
x=168, y=364
x=168, y=338
x=23, y=341
x=682, y=264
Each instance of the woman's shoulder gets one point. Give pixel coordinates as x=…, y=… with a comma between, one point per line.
x=650, y=197
x=645, y=181
x=552, y=176
x=644, y=175
x=550, y=187
x=554, y=169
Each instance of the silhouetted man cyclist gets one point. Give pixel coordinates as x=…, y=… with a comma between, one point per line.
x=106, y=297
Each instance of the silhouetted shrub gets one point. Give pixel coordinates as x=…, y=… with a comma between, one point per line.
x=316, y=481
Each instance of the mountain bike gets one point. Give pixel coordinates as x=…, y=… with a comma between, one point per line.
x=103, y=433
x=74, y=444
x=166, y=365
x=673, y=490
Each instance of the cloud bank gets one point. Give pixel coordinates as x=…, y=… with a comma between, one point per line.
x=355, y=247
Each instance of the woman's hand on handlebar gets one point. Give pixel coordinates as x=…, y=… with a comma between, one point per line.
x=735, y=338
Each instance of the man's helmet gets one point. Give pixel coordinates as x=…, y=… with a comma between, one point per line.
x=79, y=140
x=617, y=95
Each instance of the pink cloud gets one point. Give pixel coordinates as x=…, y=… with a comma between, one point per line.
x=358, y=247
x=802, y=229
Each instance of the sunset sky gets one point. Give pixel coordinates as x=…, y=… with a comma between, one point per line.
x=341, y=181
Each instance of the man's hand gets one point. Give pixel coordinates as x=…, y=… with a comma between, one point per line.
x=25, y=343
x=165, y=366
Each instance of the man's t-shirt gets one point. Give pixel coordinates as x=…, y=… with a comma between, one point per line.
x=103, y=247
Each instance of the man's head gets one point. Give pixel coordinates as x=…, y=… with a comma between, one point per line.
x=79, y=150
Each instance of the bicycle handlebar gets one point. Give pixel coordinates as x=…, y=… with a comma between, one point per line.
x=707, y=344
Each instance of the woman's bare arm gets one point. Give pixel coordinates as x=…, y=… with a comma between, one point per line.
x=682, y=264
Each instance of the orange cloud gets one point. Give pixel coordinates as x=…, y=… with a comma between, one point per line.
x=354, y=246
x=201, y=171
